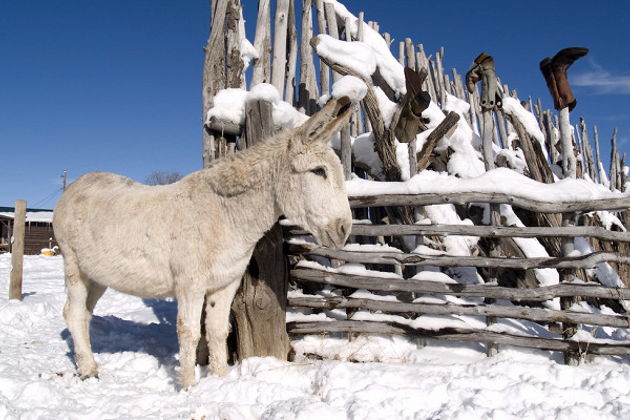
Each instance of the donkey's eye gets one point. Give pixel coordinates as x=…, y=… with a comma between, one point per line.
x=320, y=171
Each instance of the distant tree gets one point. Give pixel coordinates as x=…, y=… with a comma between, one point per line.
x=162, y=178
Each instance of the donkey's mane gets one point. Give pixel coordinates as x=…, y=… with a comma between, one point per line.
x=249, y=169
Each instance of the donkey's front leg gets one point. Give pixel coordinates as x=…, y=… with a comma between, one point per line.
x=218, y=306
x=189, y=305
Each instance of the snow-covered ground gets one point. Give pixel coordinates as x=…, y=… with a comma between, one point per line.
x=135, y=344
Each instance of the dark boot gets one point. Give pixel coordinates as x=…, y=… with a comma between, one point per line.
x=483, y=69
x=555, y=72
x=415, y=101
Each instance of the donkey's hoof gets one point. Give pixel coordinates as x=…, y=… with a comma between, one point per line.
x=88, y=376
x=91, y=372
x=187, y=385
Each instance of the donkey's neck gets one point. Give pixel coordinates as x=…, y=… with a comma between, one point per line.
x=245, y=183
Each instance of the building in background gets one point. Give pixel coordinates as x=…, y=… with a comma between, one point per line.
x=38, y=230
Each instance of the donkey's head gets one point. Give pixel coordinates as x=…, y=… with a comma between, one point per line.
x=312, y=193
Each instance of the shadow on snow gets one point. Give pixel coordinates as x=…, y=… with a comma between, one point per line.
x=110, y=334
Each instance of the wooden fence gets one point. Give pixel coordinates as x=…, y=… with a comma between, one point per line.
x=519, y=298
x=281, y=54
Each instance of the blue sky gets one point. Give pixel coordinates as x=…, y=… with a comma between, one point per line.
x=115, y=85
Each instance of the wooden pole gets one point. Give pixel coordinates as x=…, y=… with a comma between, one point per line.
x=569, y=167
x=493, y=244
x=401, y=53
x=488, y=128
x=308, y=91
x=278, y=66
x=569, y=163
x=234, y=63
x=346, y=141
x=262, y=44
x=321, y=29
x=551, y=137
x=333, y=29
x=567, y=276
x=213, y=75
x=292, y=56
x=17, y=250
x=601, y=174
x=259, y=306
x=411, y=146
x=613, y=162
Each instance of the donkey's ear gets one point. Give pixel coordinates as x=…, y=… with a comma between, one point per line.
x=330, y=119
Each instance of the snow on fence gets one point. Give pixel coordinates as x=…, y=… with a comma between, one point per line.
x=382, y=287
x=525, y=224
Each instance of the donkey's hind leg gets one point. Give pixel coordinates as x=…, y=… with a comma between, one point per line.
x=82, y=296
x=218, y=306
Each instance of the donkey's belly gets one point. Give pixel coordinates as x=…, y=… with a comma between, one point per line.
x=134, y=276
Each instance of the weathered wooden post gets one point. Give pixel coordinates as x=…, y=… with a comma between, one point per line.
x=262, y=44
x=214, y=79
x=278, y=64
x=483, y=69
x=17, y=250
x=308, y=91
x=259, y=307
x=554, y=71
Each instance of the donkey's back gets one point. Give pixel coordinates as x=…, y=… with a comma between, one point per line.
x=119, y=232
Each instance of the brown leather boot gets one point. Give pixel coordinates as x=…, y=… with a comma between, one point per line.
x=555, y=72
x=483, y=69
x=415, y=101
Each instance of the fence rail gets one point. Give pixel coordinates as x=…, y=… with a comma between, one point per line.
x=459, y=334
x=492, y=231
x=412, y=259
x=483, y=231
x=500, y=311
x=539, y=206
x=431, y=287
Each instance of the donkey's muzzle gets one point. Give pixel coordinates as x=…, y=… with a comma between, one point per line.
x=336, y=233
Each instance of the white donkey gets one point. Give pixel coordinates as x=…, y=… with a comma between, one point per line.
x=194, y=238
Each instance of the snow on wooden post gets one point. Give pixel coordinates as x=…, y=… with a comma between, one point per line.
x=17, y=250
